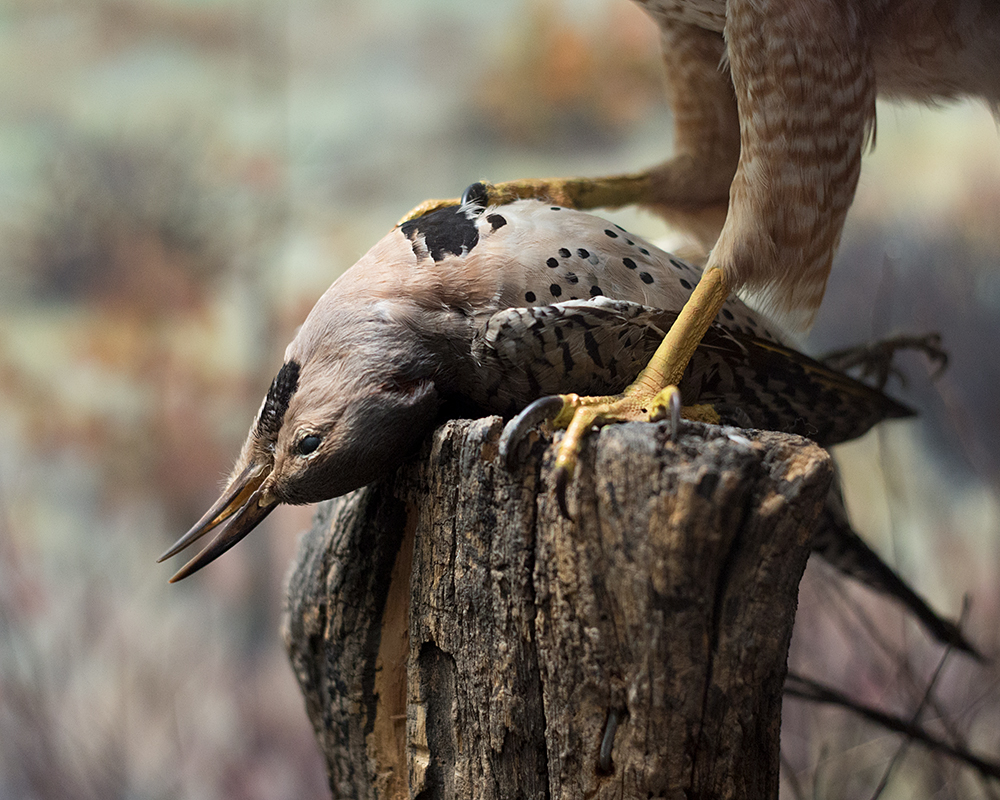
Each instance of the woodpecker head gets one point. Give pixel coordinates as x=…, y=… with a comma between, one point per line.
x=355, y=394
x=362, y=380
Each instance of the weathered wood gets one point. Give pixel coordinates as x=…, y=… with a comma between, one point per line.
x=455, y=637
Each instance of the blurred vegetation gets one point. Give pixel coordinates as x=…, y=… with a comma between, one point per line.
x=181, y=179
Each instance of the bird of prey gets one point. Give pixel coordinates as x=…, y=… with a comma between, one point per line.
x=773, y=104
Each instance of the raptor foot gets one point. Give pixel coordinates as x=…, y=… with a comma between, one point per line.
x=572, y=412
x=653, y=393
x=636, y=404
x=584, y=194
x=544, y=409
x=586, y=414
x=582, y=415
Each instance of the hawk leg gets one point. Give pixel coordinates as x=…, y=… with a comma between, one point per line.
x=653, y=395
x=786, y=174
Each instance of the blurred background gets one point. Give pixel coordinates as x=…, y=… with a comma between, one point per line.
x=181, y=179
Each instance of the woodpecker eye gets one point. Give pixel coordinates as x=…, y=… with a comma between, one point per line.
x=307, y=444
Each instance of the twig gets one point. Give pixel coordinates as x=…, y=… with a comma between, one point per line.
x=914, y=720
x=793, y=781
x=808, y=689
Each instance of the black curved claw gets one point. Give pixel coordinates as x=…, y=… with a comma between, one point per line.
x=477, y=194
x=562, y=481
x=544, y=408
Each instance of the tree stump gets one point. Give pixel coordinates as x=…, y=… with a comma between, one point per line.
x=455, y=637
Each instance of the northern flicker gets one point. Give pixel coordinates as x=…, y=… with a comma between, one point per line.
x=497, y=307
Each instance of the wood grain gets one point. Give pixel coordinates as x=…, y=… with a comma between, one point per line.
x=455, y=637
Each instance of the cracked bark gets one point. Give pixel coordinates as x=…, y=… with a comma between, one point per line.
x=454, y=637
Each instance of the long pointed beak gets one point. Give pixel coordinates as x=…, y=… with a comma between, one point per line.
x=241, y=509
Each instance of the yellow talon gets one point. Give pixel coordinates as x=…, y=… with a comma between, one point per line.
x=579, y=193
x=571, y=402
x=667, y=403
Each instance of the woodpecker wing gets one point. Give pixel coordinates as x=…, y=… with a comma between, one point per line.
x=589, y=346
x=598, y=346
x=756, y=383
